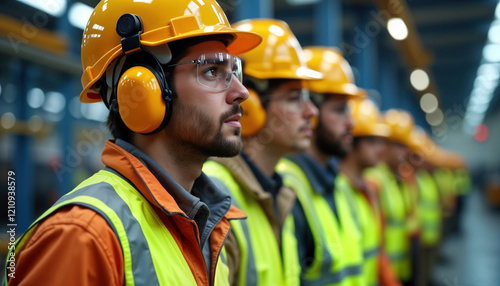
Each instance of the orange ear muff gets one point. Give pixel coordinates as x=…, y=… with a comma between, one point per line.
x=314, y=121
x=140, y=100
x=254, y=115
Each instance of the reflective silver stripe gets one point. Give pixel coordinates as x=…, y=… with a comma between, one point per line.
x=429, y=205
x=395, y=257
x=336, y=277
x=396, y=223
x=371, y=252
x=431, y=226
x=142, y=264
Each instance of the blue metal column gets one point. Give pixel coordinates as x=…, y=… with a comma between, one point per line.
x=65, y=128
x=247, y=9
x=366, y=57
x=23, y=150
x=388, y=82
x=328, y=23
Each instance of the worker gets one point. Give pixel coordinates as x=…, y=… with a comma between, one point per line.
x=391, y=178
x=276, y=122
x=369, y=134
x=168, y=73
x=330, y=241
x=422, y=151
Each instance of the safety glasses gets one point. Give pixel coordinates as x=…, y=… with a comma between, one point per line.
x=215, y=70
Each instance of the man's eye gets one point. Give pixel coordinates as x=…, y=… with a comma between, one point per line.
x=212, y=72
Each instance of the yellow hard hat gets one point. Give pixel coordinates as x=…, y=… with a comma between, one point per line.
x=280, y=54
x=339, y=78
x=422, y=144
x=162, y=22
x=401, y=124
x=367, y=119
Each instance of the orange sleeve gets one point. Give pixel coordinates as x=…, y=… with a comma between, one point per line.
x=74, y=246
x=385, y=273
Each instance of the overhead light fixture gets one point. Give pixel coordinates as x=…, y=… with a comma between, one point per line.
x=494, y=32
x=419, y=79
x=435, y=118
x=491, y=52
x=487, y=78
x=36, y=97
x=52, y=7
x=397, y=28
x=79, y=15
x=429, y=103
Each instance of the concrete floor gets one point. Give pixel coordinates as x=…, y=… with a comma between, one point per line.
x=473, y=257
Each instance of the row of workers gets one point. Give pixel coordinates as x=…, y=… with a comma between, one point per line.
x=294, y=167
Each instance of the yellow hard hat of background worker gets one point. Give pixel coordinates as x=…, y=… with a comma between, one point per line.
x=401, y=124
x=162, y=22
x=278, y=56
x=422, y=144
x=339, y=78
x=367, y=119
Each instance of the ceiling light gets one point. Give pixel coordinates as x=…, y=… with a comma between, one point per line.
x=419, y=79
x=79, y=15
x=52, y=7
x=397, y=28
x=429, y=103
x=491, y=53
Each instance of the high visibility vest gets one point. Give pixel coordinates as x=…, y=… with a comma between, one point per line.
x=151, y=255
x=445, y=181
x=261, y=261
x=430, y=209
x=338, y=252
x=410, y=192
x=369, y=220
x=396, y=236
x=463, y=182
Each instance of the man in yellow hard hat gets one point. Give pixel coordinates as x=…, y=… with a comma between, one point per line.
x=369, y=134
x=329, y=241
x=277, y=121
x=423, y=151
x=398, y=196
x=167, y=70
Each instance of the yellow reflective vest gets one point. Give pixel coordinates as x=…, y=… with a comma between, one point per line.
x=151, y=255
x=430, y=209
x=263, y=260
x=370, y=225
x=338, y=251
x=394, y=209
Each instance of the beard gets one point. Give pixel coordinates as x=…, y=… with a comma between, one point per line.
x=195, y=131
x=330, y=144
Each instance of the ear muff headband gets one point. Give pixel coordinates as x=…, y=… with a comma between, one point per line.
x=142, y=93
x=254, y=115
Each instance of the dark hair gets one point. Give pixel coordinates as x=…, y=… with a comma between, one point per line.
x=179, y=49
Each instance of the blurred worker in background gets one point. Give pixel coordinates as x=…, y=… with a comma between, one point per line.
x=398, y=197
x=423, y=150
x=169, y=76
x=330, y=247
x=368, y=147
x=277, y=121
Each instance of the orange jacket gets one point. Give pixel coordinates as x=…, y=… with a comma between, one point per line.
x=76, y=244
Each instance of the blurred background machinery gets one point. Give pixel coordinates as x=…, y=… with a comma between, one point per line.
x=437, y=59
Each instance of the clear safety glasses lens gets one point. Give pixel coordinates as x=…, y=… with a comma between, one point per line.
x=216, y=70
